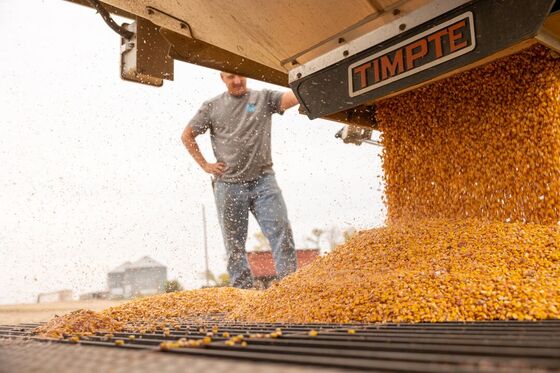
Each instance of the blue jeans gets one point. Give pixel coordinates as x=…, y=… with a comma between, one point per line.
x=264, y=199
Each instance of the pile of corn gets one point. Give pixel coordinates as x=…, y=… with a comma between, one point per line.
x=81, y=322
x=472, y=169
x=431, y=270
x=148, y=314
x=484, y=143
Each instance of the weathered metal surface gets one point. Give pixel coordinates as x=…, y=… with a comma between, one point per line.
x=18, y=356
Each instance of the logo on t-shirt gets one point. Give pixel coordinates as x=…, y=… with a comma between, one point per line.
x=251, y=108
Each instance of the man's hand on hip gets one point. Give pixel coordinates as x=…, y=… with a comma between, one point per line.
x=216, y=169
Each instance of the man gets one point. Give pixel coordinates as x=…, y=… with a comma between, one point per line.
x=239, y=121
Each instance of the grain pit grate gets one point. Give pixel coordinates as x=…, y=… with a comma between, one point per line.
x=421, y=347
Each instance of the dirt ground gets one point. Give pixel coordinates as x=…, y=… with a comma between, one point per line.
x=20, y=313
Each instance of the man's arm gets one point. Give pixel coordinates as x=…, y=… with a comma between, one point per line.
x=188, y=138
x=288, y=100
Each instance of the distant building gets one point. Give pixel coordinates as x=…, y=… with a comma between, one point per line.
x=143, y=277
x=115, y=281
x=263, y=268
x=95, y=295
x=55, y=296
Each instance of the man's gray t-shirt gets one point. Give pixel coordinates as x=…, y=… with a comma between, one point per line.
x=240, y=132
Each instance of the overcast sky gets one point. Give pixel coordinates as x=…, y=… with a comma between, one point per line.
x=93, y=172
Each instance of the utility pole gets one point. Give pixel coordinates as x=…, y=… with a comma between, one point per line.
x=206, y=270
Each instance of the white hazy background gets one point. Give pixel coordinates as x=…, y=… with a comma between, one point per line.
x=93, y=172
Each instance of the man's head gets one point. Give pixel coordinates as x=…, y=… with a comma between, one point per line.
x=236, y=84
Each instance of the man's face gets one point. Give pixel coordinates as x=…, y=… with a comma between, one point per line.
x=236, y=84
